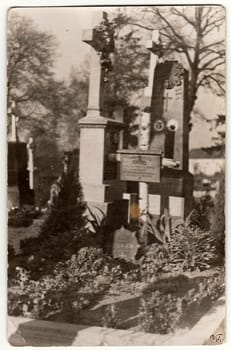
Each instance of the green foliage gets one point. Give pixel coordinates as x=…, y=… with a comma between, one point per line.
x=154, y=261
x=159, y=313
x=192, y=248
x=129, y=71
x=67, y=213
x=31, y=54
x=202, y=211
x=218, y=220
x=69, y=286
x=150, y=232
x=19, y=220
x=208, y=290
x=91, y=262
x=169, y=301
x=22, y=217
x=40, y=299
x=62, y=233
x=96, y=224
x=111, y=319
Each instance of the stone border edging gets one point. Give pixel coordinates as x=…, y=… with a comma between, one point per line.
x=205, y=327
x=29, y=332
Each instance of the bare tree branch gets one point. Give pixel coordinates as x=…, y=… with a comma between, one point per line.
x=207, y=64
x=176, y=12
x=203, y=55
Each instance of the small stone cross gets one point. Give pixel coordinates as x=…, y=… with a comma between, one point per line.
x=166, y=98
x=100, y=38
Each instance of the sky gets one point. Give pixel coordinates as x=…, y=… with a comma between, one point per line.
x=67, y=23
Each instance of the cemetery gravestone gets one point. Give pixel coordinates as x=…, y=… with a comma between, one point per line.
x=170, y=135
x=99, y=136
x=19, y=192
x=170, y=118
x=125, y=244
x=144, y=166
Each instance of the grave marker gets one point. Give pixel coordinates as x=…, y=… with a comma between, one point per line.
x=169, y=107
x=125, y=244
x=170, y=135
x=100, y=38
x=155, y=48
x=99, y=136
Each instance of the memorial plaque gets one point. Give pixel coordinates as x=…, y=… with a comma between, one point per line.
x=125, y=244
x=140, y=167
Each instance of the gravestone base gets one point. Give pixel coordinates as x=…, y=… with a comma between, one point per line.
x=13, y=199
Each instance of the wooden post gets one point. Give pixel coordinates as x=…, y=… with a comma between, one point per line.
x=154, y=47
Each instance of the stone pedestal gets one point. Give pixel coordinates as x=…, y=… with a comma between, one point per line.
x=98, y=165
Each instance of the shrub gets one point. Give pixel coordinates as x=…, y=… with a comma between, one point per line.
x=19, y=218
x=169, y=301
x=154, y=262
x=71, y=285
x=92, y=263
x=67, y=214
x=218, y=220
x=208, y=290
x=111, y=319
x=202, y=211
x=149, y=232
x=23, y=217
x=159, y=313
x=62, y=233
x=40, y=299
x=191, y=248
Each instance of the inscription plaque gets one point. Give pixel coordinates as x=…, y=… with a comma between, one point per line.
x=144, y=167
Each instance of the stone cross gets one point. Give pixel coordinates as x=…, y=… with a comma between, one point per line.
x=166, y=98
x=155, y=47
x=100, y=38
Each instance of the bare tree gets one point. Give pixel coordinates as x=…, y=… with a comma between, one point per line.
x=30, y=55
x=192, y=31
